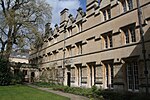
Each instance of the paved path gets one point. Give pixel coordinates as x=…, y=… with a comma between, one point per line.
x=71, y=96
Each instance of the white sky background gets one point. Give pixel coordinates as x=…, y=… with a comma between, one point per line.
x=59, y=5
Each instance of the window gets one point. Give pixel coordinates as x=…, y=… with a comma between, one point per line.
x=112, y=74
x=130, y=35
x=127, y=5
x=107, y=13
x=84, y=74
x=73, y=75
x=104, y=13
x=99, y=1
x=69, y=31
x=80, y=27
x=108, y=41
x=69, y=51
x=132, y=76
x=79, y=48
x=126, y=36
x=132, y=31
x=109, y=74
x=130, y=4
x=124, y=6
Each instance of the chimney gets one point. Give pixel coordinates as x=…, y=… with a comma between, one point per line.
x=64, y=15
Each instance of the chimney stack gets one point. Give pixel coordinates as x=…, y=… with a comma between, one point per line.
x=64, y=15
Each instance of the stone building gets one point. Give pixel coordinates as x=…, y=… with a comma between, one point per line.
x=19, y=62
x=101, y=47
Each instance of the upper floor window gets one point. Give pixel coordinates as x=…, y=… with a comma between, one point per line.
x=133, y=36
x=126, y=32
x=69, y=31
x=130, y=4
x=129, y=34
x=79, y=48
x=108, y=41
x=69, y=51
x=107, y=13
x=127, y=5
x=79, y=27
x=104, y=13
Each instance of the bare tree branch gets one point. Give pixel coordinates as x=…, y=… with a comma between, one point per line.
x=3, y=31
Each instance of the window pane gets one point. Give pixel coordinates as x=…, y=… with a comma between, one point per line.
x=106, y=42
x=126, y=36
x=124, y=6
x=110, y=41
x=133, y=36
x=130, y=4
x=109, y=13
x=104, y=13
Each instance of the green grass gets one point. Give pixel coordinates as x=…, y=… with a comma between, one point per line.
x=20, y=92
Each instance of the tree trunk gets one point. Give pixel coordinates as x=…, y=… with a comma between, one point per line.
x=2, y=50
x=8, y=48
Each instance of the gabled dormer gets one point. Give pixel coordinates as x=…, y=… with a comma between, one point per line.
x=70, y=24
x=80, y=18
x=71, y=20
x=80, y=15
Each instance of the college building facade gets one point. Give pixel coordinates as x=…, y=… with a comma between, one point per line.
x=101, y=47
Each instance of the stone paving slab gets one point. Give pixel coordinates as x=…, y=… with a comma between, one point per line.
x=69, y=95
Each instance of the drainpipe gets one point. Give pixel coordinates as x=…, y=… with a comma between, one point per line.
x=143, y=44
x=64, y=55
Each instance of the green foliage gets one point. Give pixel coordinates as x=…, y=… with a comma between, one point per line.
x=5, y=73
x=96, y=93
x=20, y=92
x=17, y=78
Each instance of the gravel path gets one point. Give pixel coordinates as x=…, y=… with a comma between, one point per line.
x=71, y=96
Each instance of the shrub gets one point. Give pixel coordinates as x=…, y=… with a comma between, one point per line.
x=17, y=78
x=5, y=72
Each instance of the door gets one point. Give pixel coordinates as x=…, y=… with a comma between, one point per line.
x=68, y=78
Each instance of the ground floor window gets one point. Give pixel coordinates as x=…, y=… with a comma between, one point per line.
x=132, y=76
x=109, y=75
x=84, y=74
x=73, y=75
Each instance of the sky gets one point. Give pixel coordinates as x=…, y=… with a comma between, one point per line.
x=59, y=5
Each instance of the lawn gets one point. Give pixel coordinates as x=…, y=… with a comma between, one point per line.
x=20, y=92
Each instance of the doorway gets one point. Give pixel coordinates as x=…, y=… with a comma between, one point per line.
x=68, y=78
x=32, y=76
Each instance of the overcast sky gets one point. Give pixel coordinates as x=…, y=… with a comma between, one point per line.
x=59, y=5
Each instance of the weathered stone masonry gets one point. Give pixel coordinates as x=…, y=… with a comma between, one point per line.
x=101, y=47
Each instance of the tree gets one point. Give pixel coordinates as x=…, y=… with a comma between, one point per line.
x=5, y=72
x=22, y=21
